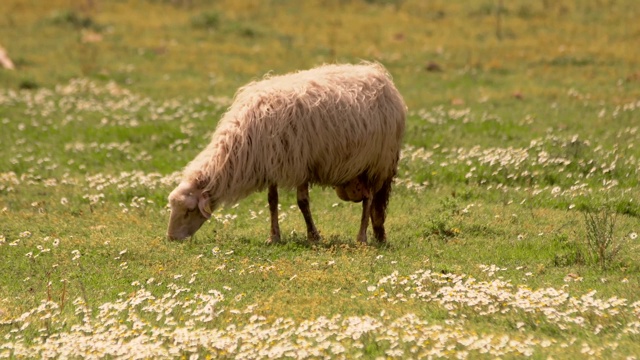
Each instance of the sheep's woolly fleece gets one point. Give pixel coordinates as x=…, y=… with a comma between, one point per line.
x=324, y=126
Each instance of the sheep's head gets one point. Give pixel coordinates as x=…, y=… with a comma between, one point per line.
x=190, y=208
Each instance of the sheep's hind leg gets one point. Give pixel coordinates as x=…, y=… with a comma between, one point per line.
x=272, y=197
x=379, y=209
x=364, y=221
x=303, y=204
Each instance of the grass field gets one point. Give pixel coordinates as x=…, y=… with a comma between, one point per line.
x=513, y=224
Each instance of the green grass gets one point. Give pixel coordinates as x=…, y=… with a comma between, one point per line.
x=506, y=148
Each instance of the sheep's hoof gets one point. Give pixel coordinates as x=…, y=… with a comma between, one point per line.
x=272, y=240
x=380, y=235
x=314, y=237
x=362, y=239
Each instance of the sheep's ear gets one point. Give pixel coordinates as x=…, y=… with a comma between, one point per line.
x=204, y=205
x=201, y=182
x=182, y=196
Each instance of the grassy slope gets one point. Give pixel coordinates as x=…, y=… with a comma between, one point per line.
x=567, y=69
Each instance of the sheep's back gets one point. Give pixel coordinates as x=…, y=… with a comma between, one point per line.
x=326, y=125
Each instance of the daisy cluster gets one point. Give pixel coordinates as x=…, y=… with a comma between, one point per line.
x=131, y=180
x=84, y=107
x=555, y=164
x=169, y=321
x=463, y=295
x=527, y=168
x=120, y=107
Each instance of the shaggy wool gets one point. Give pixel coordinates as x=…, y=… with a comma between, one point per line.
x=325, y=126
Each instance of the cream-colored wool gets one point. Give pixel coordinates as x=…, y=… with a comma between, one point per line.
x=325, y=126
x=335, y=125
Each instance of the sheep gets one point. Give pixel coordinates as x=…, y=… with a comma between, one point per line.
x=5, y=60
x=338, y=125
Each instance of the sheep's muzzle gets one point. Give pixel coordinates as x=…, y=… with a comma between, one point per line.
x=183, y=224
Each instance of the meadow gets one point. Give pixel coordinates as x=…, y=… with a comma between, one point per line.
x=512, y=227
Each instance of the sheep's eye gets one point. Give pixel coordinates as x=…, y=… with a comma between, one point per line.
x=189, y=211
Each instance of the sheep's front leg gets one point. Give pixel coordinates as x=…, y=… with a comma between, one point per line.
x=364, y=221
x=303, y=204
x=272, y=197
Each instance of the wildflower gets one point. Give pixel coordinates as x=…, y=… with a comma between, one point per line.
x=598, y=329
x=573, y=277
x=633, y=235
x=395, y=353
x=193, y=278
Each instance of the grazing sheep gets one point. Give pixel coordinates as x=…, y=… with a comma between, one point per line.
x=5, y=61
x=335, y=125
